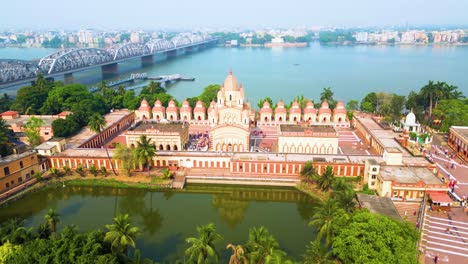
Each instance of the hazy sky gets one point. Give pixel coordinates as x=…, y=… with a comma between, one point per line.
x=148, y=14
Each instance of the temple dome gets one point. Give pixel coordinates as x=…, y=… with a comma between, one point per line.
x=339, y=109
x=324, y=108
x=199, y=107
x=310, y=108
x=266, y=108
x=144, y=106
x=186, y=106
x=230, y=83
x=410, y=118
x=280, y=107
x=158, y=106
x=171, y=106
x=295, y=109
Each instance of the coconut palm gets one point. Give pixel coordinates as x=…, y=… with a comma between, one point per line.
x=126, y=156
x=345, y=199
x=202, y=248
x=316, y=253
x=43, y=230
x=121, y=234
x=326, y=181
x=52, y=218
x=97, y=124
x=323, y=219
x=237, y=256
x=308, y=172
x=145, y=151
x=262, y=247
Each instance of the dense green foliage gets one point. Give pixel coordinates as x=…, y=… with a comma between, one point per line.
x=42, y=245
x=452, y=112
x=145, y=151
x=5, y=133
x=32, y=130
x=336, y=37
x=374, y=238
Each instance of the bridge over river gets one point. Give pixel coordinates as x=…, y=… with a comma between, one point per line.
x=68, y=61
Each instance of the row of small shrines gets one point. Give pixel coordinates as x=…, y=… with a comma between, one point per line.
x=280, y=114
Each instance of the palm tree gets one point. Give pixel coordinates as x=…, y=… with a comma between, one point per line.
x=431, y=92
x=308, y=172
x=121, y=234
x=43, y=230
x=237, y=256
x=97, y=124
x=54, y=172
x=145, y=151
x=126, y=156
x=316, y=253
x=202, y=248
x=52, y=218
x=262, y=247
x=326, y=181
x=323, y=219
x=345, y=199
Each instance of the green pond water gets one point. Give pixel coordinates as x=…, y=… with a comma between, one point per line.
x=167, y=218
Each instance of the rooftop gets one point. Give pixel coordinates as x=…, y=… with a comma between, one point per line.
x=45, y=146
x=86, y=133
x=10, y=158
x=411, y=175
x=301, y=130
x=377, y=204
x=158, y=127
x=462, y=130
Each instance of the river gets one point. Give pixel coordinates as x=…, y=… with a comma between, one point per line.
x=167, y=218
x=351, y=71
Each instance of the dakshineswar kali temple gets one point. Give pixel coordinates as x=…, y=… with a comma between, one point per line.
x=229, y=122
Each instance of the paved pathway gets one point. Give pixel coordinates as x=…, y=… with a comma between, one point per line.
x=446, y=235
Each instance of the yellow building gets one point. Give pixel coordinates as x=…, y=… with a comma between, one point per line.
x=307, y=139
x=17, y=168
x=165, y=136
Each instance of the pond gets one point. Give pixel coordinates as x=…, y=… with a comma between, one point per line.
x=167, y=218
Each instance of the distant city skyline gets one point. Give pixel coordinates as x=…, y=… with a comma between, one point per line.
x=185, y=14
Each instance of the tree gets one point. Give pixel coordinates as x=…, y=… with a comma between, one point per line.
x=327, y=94
x=5, y=103
x=64, y=98
x=7, y=250
x=324, y=218
x=375, y=238
x=237, y=256
x=145, y=151
x=317, y=253
x=202, y=248
x=429, y=91
x=32, y=129
x=352, y=105
x=167, y=174
x=43, y=230
x=262, y=247
x=209, y=94
x=308, y=172
x=126, y=156
x=29, y=99
x=65, y=127
x=5, y=145
x=97, y=124
x=452, y=112
x=369, y=102
x=52, y=218
x=130, y=100
x=121, y=234
x=325, y=182
x=54, y=172
x=262, y=101
x=397, y=103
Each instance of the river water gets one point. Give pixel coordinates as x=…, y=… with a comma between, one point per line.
x=167, y=218
x=351, y=71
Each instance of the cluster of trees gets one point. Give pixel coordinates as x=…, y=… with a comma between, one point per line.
x=350, y=235
x=338, y=36
x=44, y=244
x=142, y=154
x=434, y=101
x=5, y=134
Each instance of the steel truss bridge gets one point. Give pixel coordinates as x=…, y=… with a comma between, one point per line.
x=67, y=61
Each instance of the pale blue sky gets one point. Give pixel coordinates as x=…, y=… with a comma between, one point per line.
x=148, y=14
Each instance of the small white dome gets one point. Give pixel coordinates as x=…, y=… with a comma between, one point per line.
x=410, y=119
